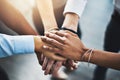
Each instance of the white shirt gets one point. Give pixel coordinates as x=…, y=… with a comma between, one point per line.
x=75, y=6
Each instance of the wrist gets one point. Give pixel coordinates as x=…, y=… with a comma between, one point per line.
x=87, y=55
x=84, y=57
x=38, y=43
x=51, y=28
x=71, y=21
x=64, y=28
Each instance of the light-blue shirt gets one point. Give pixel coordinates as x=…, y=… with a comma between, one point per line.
x=12, y=45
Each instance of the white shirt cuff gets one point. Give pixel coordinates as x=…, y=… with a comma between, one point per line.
x=75, y=6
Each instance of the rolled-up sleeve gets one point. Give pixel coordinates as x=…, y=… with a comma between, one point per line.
x=12, y=45
x=75, y=6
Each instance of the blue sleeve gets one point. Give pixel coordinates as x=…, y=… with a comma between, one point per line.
x=12, y=45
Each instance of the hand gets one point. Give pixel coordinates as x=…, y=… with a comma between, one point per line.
x=66, y=44
x=70, y=64
x=51, y=66
x=39, y=49
x=40, y=57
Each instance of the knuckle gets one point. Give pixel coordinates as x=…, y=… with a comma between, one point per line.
x=50, y=63
x=49, y=48
x=67, y=34
x=56, y=32
x=58, y=51
x=51, y=40
x=53, y=57
x=54, y=50
x=58, y=65
x=60, y=48
x=64, y=39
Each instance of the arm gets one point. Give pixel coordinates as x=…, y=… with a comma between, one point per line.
x=72, y=12
x=45, y=8
x=71, y=43
x=14, y=19
x=13, y=45
x=101, y=57
x=71, y=21
x=106, y=59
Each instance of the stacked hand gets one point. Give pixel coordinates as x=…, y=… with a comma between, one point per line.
x=52, y=66
x=46, y=57
x=64, y=43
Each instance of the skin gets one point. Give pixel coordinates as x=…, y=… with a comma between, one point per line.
x=49, y=22
x=63, y=44
x=14, y=20
x=67, y=44
x=48, y=19
x=70, y=21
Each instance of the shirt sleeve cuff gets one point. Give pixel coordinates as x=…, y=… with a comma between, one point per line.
x=75, y=6
x=23, y=44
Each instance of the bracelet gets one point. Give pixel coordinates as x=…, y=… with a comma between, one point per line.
x=89, y=53
x=63, y=28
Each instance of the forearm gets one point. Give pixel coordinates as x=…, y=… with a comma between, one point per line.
x=71, y=21
x=45, y=8
x=106, y=59
x=72, y=12
x=13, y=45
x=38, y=43
x=14, y=19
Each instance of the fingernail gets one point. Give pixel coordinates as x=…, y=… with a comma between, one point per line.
x=46, y=32
x=44, y=46
x=42, y=37
x=71, y=68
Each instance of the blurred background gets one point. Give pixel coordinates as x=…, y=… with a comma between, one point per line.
x=93, y=24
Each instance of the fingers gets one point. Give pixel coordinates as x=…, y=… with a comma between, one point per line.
x=70, y=64
x=56, y=67
x=44, y=63
x=49, y=67
x=42, y=57
x=52, y=67
x=52, y=49
x=64, y=33
x=59, y=33
x=54, y=56
x=59, y=58
x=52, y=42
x=55, y=36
